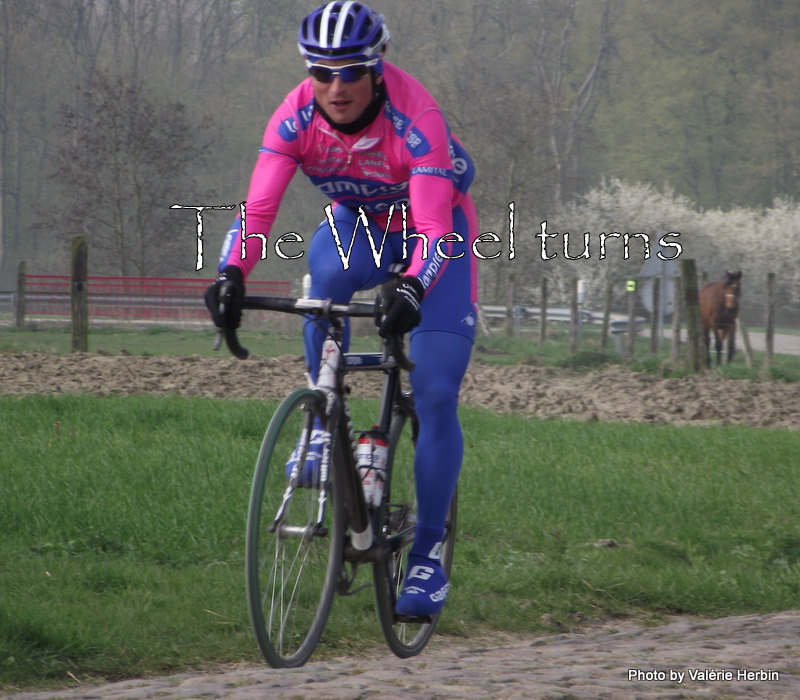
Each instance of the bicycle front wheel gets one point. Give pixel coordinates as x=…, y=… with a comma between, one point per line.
x=294, y=540
x=397, y=519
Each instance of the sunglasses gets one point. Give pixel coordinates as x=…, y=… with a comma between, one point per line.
x=350, y=73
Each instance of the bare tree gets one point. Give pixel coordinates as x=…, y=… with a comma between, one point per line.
x=131, y=158
x=10, y=17
x=135, y=28
x=80, y=26
x=570, y=92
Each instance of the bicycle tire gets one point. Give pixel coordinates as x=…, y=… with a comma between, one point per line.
x=397, y=513
x=291, y=571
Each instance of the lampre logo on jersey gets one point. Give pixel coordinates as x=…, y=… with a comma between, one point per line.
x=289, y=128
x=417, y=143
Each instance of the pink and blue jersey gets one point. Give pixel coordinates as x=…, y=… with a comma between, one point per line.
x=407, y=155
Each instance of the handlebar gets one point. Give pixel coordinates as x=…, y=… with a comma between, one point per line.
x=321, y=308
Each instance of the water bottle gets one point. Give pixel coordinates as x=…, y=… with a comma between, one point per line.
x=371, y=461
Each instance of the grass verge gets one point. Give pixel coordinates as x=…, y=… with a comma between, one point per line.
x=123, y=525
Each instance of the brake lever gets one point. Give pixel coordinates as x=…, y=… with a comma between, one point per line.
x=403, y=361
x=231, y=339
x=219, y=334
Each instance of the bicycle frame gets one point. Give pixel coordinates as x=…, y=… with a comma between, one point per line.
x=340, y=432
x=340, y=429
x=365, y=548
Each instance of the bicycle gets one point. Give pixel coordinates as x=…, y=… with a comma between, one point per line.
x=304, y=542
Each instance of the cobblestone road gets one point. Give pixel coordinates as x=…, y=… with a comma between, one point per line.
x=754, y=656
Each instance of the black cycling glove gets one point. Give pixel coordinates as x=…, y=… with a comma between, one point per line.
x=397, y=307
x=232, y=280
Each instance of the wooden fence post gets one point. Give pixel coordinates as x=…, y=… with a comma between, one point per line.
x=656, y=318
x=630, y=340
x=677, y=319
x=19, y=311
x=79, y=295
x=769, y=350
x=510, y=304
x=543, y=313
x=574, y=321
x=606, y=314
x=694, y=356
x=748, y=348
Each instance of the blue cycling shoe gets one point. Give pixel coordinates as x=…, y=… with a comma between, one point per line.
x=308, y=476
x=425, y=588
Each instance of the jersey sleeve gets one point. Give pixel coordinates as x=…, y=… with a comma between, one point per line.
x=432, y=192
x=275, y=166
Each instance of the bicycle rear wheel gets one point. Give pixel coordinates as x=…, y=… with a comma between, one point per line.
x=396, y=521
x=292, y=559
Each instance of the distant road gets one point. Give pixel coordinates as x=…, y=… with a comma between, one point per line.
x=783, y=344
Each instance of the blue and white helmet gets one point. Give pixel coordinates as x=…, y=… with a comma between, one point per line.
x=343, y=30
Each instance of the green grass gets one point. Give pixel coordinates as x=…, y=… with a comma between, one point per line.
x=139, y=340
x=703, y=519
x=122, y=527
x=285, y=338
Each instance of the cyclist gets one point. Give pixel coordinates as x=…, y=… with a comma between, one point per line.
x=370, y=136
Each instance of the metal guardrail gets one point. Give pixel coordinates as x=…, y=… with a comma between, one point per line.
x=618, y=323
x=191, y=305
x=556, y=314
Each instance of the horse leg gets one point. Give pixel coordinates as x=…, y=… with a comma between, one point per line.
x=718, y=345
x=731, y=343
x=707, y=346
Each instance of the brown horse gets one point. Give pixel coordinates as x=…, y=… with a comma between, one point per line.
x=719, y=306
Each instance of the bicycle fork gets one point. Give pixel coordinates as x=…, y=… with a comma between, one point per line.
x=313, y=529
x=361, y=530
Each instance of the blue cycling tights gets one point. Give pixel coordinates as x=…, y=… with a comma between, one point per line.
x=440, y=347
